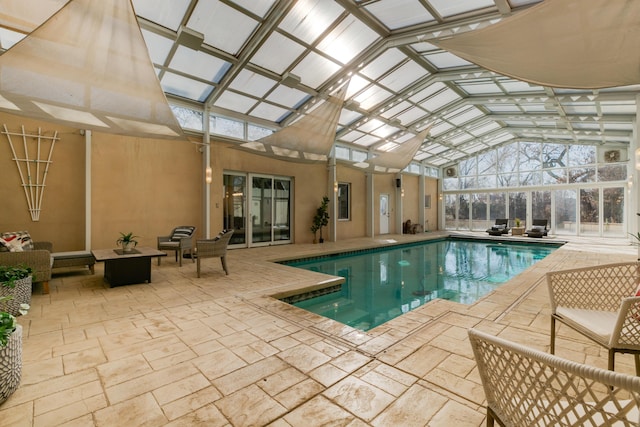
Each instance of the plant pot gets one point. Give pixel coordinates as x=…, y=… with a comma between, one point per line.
x=11, y=364
x=128, y=247
x=21, y=294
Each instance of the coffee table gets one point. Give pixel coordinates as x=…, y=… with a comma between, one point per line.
x=127, y=268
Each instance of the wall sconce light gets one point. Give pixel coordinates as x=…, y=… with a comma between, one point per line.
x=335, y=186
x=440, y=196
x=402, y=193
x=207, y=175
x=638, y=159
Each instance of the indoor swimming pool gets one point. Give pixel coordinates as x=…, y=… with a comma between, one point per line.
x=384, y=283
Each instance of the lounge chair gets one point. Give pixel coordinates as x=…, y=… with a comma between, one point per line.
x=538, y=229
x=601, y=303
x=527, y=387
x=214, y=248
x=500, y=227
x=179, y=241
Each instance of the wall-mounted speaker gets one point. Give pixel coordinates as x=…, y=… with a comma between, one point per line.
x=398, y=182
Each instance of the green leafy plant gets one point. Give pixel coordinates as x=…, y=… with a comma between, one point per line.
x=127, y=238
x=8, y=322
x=517, y=222
x=10, y=273
x=321, y=218
x=637, y=237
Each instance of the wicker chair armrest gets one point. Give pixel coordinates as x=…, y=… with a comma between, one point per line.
x=186, y=242
x=626, y=333
x=162, y=239
x=47, y=246
x=598, y=288
x=207, y=248
x=524, y=386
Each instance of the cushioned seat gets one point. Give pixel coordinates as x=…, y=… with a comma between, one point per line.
x=538, y=229
x=499, y=228
x=214, y=248
x=180, y=240
x=36, y=255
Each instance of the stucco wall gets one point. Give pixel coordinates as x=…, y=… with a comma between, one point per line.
x=150, y=186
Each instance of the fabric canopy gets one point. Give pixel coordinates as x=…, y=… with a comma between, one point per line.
x=582, y=44
x=309, y=139
x=397, y=160
x=87, y=66
x=24, y=16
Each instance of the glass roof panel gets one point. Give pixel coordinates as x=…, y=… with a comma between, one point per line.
x=502, y=108
x=440, y=128
x=223, y=27
x=412, y=115
x=351, y=136
x=168, y=13
x=617, y=108
x=396, y=14
x=252, y=83
x=461, y=138
x=184, y=87
x=464, y=115
x=288, y=96
x=440, y=100
x=371, y=97
x=534, y=108
x=514, y=86
x=385, y=131
x=436, y=148
x=235, y=102
x=367, y=140
x=158, y=46
x=618, y=126
x=389, y=59
x=484, y=128
x=8, y=38
x=580, y=109
x=404, y=76
x=428, y=91
x=315, y=69
x=348, y=40
x=277, y=53
x=448, y=8
x=348, y=116
x=445, y=60
x=389, y=113
x=199, y=64
x=371, y=125
x=480, y=88
x=269, y=112
x=260, y=8
x=310, y=18
x=356, y=84
x=387, y=146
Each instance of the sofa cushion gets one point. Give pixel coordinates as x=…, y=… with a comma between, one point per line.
x=16, y=241
x=180, y=233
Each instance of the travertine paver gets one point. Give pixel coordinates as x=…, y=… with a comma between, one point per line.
x=218, y=351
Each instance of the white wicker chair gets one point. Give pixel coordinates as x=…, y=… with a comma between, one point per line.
x=600, y=303
x=527, y=387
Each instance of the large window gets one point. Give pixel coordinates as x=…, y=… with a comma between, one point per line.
x=344, y=201
x=565, y=184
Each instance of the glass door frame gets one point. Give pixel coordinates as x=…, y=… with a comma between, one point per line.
x=250, y=222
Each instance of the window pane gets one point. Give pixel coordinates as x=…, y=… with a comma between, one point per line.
x=343, y=200
x=565, y=211
x=518, y=207
x=507, y=158
x=463, y=211
x=589, y=212
x=613, y=211
x=554, y=176
x=497, y=206
x=450, y=214
x=530, y=156
x=479, y=211
x=228, y=127
x=256, y=132
x=554, y=155
x=188, y=118
x=582, y=155
x=612, y=173
x=450, y=184
x=541, y=205
x=487, y=163
x=587, y=174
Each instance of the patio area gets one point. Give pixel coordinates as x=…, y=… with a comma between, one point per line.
x=219, y=351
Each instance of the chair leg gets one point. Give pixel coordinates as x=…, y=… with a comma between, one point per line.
x=198, y=267
x=159, y=260
x=490, y=418
x=637, y=357
x=553, y=335
x=612, y=362
x=45, y=287
x=181, y=253
x=193, y=258
x=224, y=264
x=176, y=253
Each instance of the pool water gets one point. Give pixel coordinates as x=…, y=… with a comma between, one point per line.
x=382, y=284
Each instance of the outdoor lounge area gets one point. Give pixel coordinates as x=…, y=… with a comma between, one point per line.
x=183, y=351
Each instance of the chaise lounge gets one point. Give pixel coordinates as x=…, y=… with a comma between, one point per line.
x=499, y=228
x=538, y=229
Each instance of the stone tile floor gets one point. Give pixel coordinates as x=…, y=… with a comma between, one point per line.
x=219, y=351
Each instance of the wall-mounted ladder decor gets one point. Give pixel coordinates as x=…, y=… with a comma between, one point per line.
x=32, y=166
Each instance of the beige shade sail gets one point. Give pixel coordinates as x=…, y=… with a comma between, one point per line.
x=582, y=44
x=398, y=159
x=87, y=66
x=24, y=16
x=309, y=139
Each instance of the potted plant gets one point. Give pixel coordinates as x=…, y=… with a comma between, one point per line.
x=15, y=283
x=320, y=219
x=10, y=349
x=127, y=241
x=517, y=222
